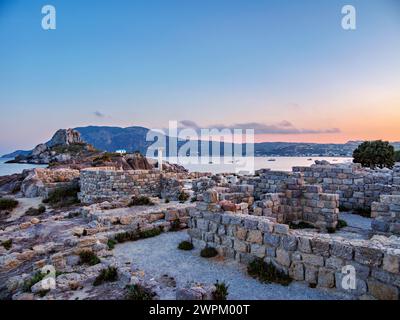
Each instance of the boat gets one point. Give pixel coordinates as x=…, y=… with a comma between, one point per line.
x=309, y=159
x=271, y=159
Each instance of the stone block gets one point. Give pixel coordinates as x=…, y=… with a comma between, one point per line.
x=326, y=278
x=296, y=271
x=255, y=236
x=271, y=239
x=382, y=291
x=283, y=257
x=368, y=256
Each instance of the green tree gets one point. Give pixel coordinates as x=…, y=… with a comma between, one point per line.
x=374, y=154
x=397, y=156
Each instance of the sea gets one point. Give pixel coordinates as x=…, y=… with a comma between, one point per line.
x=11, y=168
x=213, y=165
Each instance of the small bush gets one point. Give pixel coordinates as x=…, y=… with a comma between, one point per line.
x=63, y=196
x=8, y=204
x=36, y=211
x=183, y=197
x=208, y=252
x=341, y=224
x=88, y=257
x=330, y=230
x=221, y=291
x=139, y=293
x=167, y=200
x=301, y=225
x=137, y=234
x=175, y=225
x=7, y=244
x=267, y=272
x=111, y=244
x=186, y=246
x=150, y=233
x=194, y=199
x=28, y=284
x=342, y=208
x=106, y=275
x=364, y=212
x=140, y=201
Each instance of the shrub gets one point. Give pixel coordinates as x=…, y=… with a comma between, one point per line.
x=267, y=272
x=150, y=233
x=341, y=224
x=111, y=244
x=221, y=291
x=364, y=212
x=36, y=211
x=208, y=252
x=397, y=156
x=88, y=257
x=330, y=230
x=185, y=245
x=137, y=234
x=167, y=200
x=374, y=154
x=140, y=201
x=194, y=199
x=183, y=196
x=301, y=225
x=28, y=284
x=8, y=204
x=63, y=196
x=175, y=225
x=106, y=275
x=138, y=292
x=7, y=244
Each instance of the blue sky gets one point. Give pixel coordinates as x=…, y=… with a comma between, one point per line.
x=144, y=62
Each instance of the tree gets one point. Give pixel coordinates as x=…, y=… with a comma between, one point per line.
x=397, y=156
x=374, y=154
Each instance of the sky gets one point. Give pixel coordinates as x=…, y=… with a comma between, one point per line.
x=285, y=68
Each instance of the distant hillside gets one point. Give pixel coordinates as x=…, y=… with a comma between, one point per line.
x=134, y=139
x=16, y=153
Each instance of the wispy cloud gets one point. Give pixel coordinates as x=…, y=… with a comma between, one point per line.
x=99, y=114
x=283, y=127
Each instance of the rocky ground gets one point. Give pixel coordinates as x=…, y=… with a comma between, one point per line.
x=159, y=259
x=57, y=238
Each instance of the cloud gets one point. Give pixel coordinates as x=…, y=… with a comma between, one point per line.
x=99, y=114
x=283, y=127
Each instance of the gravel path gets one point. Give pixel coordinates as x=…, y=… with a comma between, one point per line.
x=159, y=256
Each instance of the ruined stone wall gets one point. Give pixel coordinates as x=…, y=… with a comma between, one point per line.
x=40, y=181
x=315, y=258
x=387, y=215
x=357, y=187
x=298, y=201
x=108, y=184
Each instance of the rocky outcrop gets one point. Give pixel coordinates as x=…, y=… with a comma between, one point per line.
x=65, y=138
x=66, y=146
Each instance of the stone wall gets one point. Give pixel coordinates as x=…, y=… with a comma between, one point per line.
x=108, y=184
x=357, y=187
x=40, y=181
x=316, y=259
x=387, y=215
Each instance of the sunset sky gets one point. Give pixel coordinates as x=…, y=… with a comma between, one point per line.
x=286, y=68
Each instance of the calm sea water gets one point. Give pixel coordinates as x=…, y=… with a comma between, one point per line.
x=243, y=164
x=217, y=165
x=10, y=168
